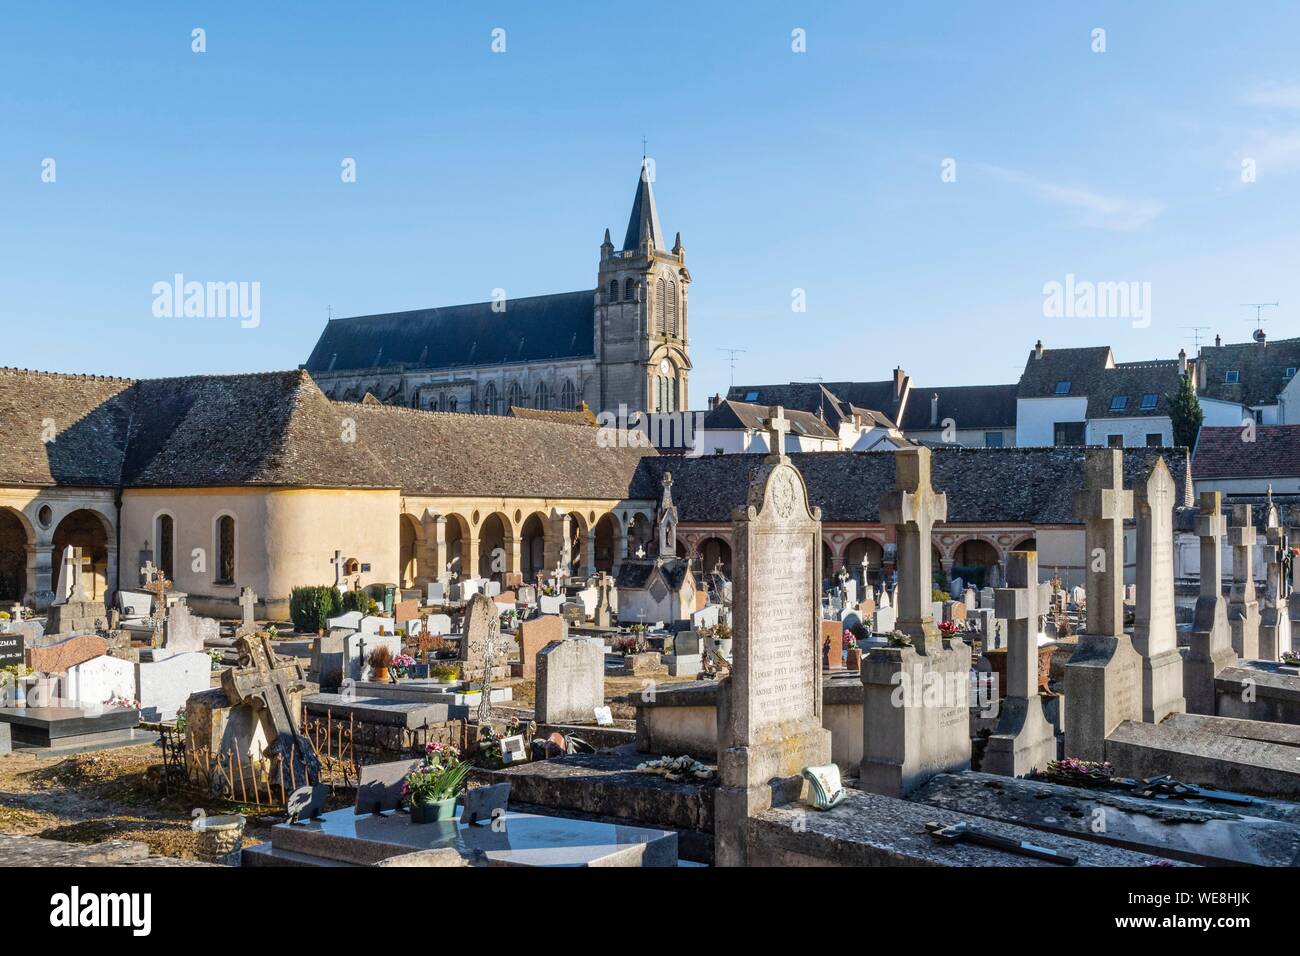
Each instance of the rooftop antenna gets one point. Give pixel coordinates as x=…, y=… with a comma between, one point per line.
x=643, y=148
x=732, y=353
x=1259, y=308
x=1196, y=331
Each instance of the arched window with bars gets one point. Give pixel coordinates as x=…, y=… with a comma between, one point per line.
x=613, y=290
x=490, y=399
x=629, y=290
x=541, y=397
x=672, y=308
x=660, y=298
x=568, y=396
x=515, y=395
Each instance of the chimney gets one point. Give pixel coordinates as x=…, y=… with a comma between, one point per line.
x=1038, y=349
x=1218, y=341
x=898, y=383
x=1182, y=360
x=715, y=401
x=934, y=409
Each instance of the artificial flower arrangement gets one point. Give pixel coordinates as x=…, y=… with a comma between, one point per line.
x=431, y=788
x=119, y=700
x=948, y=628
x=850, y=640
x=402, y=664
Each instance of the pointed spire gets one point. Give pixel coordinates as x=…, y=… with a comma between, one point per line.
x=644, y=221
x=678, y=249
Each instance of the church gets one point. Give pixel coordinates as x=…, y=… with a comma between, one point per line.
x=623, y=343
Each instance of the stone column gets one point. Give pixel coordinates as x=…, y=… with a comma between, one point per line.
x=435, y=557
x=908, y=735
x=590, y=553
x=469, y=556
x=1025, y=740
x=1155, y=634
x=1103, y=678
x=1210, y=643
x=620, y=547
x=513, y=546
x=1243, y=607
x=945, y=564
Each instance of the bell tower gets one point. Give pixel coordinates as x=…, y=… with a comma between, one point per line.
x=641, y=312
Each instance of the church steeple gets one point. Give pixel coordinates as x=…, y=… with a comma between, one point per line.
x=645, y=217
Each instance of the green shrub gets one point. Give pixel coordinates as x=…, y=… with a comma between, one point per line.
x=311, y=607
x=359, y=601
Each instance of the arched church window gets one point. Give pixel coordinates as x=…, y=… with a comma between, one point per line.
x=629, y=290
x=515, y=396
x=672, y=308
x=451, y=404
x=613, y=290
x=541, y=398
x=490, y=399
x=225, y=550
x=659, y=306
x=166, y=538
x=568, y=396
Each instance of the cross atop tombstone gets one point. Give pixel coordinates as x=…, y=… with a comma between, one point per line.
x=640, y=551
x=267, y=683
x=1211, y=527
x=777, y=427
x=914, y=507
x=1243, y=537
x=1017, y=603
x=1275, y=535
x=339, y=576
x=1103, y=505
x=147, y=572
x=248, y=601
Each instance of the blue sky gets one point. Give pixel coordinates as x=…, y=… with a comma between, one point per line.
x=818, y=171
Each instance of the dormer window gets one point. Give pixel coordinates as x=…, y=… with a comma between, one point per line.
x=1063, y=388
x=1290, y=373
x=751, y=396
x=1149, y=401
x=1232, y=377
x=1118, y=403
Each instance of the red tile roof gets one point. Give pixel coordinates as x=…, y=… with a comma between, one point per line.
x=1222, y=452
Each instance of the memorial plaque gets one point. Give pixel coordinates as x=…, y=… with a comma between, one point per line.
x=11, y=648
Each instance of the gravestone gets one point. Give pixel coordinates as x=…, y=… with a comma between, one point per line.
x=1243, y=607
x=535, y=635
x=915, y=698
x=770, y=707
x=436, y=593
x=356, y=653
x=185, y=632
x=1155, y=635
x=327, y=660
x=351, y=619
x=1274, y=622
x=72, y=611
x=987, y=597
x=98, y=680
x=570, y=682
x=550, y=604
x=380, y=786
x=480, y=618
x=884, y=620
x=832, y=643
x=266, y=684
x=1024, y=740
x=1103, y=678
x=1209, y=648
x=603, y=616
x=163, y=686
x=248, y=604
x=58, y=657
x=11, y=648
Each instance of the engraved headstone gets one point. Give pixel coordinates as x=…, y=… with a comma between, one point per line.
x=1155, y=635
x=770, y=720
x=1209, y=648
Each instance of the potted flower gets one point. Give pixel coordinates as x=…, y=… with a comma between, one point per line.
x=402, y=665
x=380, y=659
x=852, y=653
x=431, y=788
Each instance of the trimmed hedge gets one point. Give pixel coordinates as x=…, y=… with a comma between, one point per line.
x=359, y=601
x=310, y=608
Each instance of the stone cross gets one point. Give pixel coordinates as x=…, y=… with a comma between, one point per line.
x=1017, y=603
x=148, y=572
x=914, y=507
x=267, y=683
x=777, y=427
x=1103, y=505
x=1155, y=634
x=78, y=592
x=640, y=551
x=337, y=561
x=248, y=601
x=1243, y=537
x=1209, y=646
x=1024, y=739
x=1211, y=528
x=1275, y=536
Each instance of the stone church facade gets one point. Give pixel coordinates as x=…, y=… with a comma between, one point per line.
x=623, y=343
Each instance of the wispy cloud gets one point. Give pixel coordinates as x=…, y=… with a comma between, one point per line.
x=1274, y=95
x=1092, y=209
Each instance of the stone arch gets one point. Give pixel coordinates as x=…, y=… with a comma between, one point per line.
x=712, y=550
x=578, y=528
x=872, y=550
x=92, y=532
x=494, y=536
x=640, y=533
x=1026, y=544
x=607, y=532
x=457, y=535
x=972, y=558
x=532, y=546
x=410, y=537
x=15, y=538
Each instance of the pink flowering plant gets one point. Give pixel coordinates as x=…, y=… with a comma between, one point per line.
x=402, y=664
x=850, y=641
x=440, y=777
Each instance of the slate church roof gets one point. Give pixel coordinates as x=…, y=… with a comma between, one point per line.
x=533, y=329
x=645, y=215
x=1275, y=453
x=984, y=485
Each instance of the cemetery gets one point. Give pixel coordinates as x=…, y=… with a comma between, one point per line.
x=672, y=716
